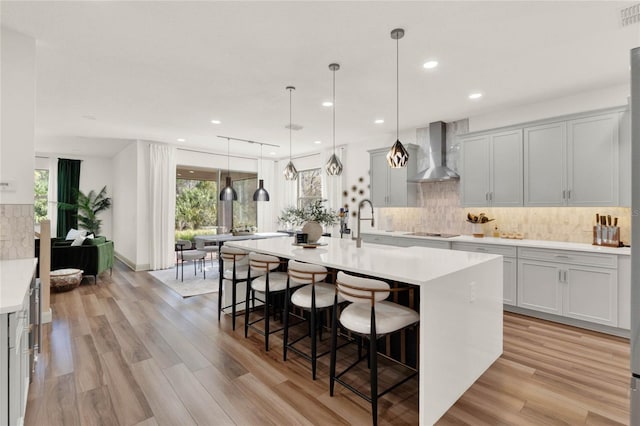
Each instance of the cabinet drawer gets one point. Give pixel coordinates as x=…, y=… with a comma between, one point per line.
x=507, y=251
x=572, y=257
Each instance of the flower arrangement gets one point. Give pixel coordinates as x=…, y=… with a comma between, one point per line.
x=313, y=212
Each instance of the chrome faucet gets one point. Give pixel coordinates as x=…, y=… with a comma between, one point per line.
x=362, y=203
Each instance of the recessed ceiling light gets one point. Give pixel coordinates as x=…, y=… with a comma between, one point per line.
x=215, y=121
x=430, y=64
x=327, y=104
x=317, y=142
x=476, y=95
x=181, y=139
x=272, y=153
x=379, y=121
x=191, y=171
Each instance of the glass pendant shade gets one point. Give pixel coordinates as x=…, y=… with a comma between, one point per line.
x=290, y=172
x=334, y=166
x=228, y=193
x=397, y=155
x=261, y=194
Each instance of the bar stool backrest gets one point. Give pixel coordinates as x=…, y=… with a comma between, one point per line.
x=306, y=273
x=232, y=254
x=361, y=290
x=263, y=263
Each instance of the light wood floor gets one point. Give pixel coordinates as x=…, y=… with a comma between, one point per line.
x=129, y=351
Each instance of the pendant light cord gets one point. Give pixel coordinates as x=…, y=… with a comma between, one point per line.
x=334, y=111
x=228, y=164
x=290, y=124
x=398, y=88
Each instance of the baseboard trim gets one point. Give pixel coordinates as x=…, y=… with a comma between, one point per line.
x=46, y=316
x=132, y=265
x=620, y=332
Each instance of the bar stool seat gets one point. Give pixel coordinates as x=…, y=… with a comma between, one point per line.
x=324, y=296
x=390, y=317
x=277, y=281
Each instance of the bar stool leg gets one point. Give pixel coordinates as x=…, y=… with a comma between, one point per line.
x=286, y=324
x=233, y=306
x=373, y=357
x=334, y=341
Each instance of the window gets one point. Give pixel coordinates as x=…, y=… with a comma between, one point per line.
x=245, y=212
x=196, y=204
x=41, y=190
x=309, y=187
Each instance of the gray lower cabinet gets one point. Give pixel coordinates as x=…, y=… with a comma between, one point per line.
x=14, y=364
x=577, y=285
x=509, y=263
x=389, y=187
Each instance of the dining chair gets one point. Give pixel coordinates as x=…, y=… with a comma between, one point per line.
x=185, y=253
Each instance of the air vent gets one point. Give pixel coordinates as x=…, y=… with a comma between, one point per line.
x=630, y=15
x=293, y=126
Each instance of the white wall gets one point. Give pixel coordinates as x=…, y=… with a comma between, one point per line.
x=18, y=97
x=586, y=101
x=142, y=202
x=125, y=205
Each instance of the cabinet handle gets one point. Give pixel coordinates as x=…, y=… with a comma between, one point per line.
x=481, y=249
x=560, y=276
x=568, y=194
x=486, y=196
x=491, y=196
x=562, y=256
x=564, y=194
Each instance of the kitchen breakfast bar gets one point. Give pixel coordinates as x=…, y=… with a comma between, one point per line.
x=460, y=306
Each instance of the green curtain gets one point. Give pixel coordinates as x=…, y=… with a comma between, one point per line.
x=68, y=186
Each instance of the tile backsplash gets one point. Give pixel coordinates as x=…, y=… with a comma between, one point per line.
x=16, y=231
x=440, y=211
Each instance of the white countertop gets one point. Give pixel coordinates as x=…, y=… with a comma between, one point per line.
x=556, y=245
x=411, y=265
x=15, y=279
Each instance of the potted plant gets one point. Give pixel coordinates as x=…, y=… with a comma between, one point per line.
x=88, y=207
x=313, y=217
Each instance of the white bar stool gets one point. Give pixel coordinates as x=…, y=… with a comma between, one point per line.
x=234, y=269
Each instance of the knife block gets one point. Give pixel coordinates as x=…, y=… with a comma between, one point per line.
x=610, y=236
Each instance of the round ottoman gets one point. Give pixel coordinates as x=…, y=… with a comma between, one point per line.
x=65, y=279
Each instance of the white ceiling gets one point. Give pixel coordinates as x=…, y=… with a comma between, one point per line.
x=162, y=70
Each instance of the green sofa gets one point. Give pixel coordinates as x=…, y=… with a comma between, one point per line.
x=94, y=256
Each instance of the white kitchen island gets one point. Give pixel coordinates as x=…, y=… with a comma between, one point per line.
x=460, y=306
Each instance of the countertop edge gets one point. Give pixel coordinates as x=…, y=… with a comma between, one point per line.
x=544, y=244
x=15, y=279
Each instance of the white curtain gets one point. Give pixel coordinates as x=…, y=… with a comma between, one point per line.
x=162, y=205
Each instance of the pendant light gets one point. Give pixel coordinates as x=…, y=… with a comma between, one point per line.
x=261, y=194
x=397, y=155
x=228, y=193
x=290, y=172
x=334, y=166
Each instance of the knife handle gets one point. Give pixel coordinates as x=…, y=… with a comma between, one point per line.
x=615, y=221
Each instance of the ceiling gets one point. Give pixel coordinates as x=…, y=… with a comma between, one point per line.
x=113, y=71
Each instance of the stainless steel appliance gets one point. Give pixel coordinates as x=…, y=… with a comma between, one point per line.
x=635, y=236
x=437, y=170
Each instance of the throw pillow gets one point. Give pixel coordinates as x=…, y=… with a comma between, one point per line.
x=73, y=233
x=78, y=241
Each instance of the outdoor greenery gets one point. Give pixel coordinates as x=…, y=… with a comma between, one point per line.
x=196, y=204
x=88, y=206
x=41, y=189
x=189, y=234
x=312, y=212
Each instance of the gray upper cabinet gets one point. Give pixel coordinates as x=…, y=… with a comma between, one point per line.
x=573, y=162
x=389, y=187
x=492, y=169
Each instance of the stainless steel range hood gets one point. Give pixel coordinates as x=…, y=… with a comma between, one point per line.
x=437, y=171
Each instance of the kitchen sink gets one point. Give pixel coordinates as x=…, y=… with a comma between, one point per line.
x=432, y=234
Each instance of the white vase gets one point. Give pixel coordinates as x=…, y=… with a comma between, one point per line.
x=313, y=230
x=477, y=230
